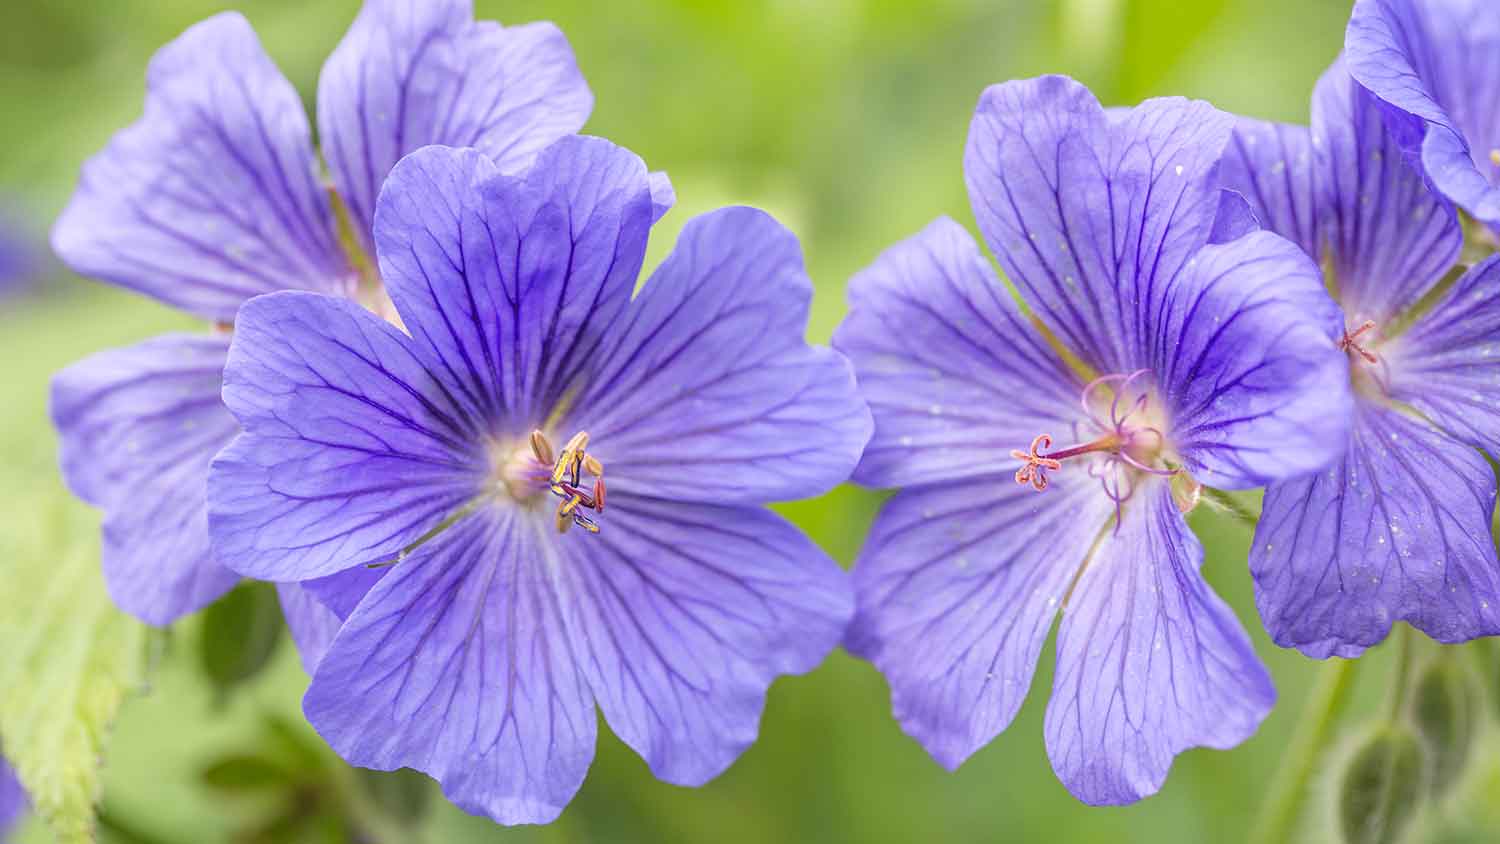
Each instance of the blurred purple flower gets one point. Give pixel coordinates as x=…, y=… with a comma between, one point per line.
x=12, y=801
x=1436, y=66
x=400, y=473
x=1399, y=529
x=1187, y=360
x=213, y=197
x=20, y=258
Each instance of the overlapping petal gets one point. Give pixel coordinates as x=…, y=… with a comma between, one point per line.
x=457, y=664
x=958, y=585
x=1149, y=661
x=312, y=624
x=705, y=389
x=1234, y=219
x=1390, y=239
x=1448, y=363
x=663, y=195
x=212, y=197
x=1437, y=64
x=1247, y=365
x=949, y=366
x=1274, y=167
x=138, y=428
x=1396, y=531
x=1093, y=220
x=408, y=75
x=508, y=286
x=681, y=615
x=351, y=450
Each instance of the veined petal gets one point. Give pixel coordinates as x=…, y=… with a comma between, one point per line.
x=456, y=664
x=508, y=286
x=1390, y=238
x=312, y=624
x=1234, y=219
x=351, y=451
x=1272, y=165
x=1246, y=359
x=1437, y=64
x=1093, y=220
x=958, y=585
x=1447, y=364
x=342, y=592
x=954, y=374
x=663, y=195
x=1399, y=530
x=706, y=390
x=212, y=197
x=408, y=75
x=683, y=614
x=138, y=427
x=1150, y=662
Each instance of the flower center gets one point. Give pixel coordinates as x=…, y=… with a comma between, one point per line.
x=526, y=472
x=1130, y=441
x=1352, y=343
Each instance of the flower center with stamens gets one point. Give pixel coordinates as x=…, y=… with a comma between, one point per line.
x=1365, y=369
x=1355, y=342
x=525, y=472
x=1129, y=441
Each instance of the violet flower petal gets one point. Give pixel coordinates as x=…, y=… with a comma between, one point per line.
x=1397, y=531
x=1150, y=662
x=138, y=427
x=212, y=197
x=408, y=75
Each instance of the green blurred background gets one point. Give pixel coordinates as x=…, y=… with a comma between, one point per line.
x=846, y=119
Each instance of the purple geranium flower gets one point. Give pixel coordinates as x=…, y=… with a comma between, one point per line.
x=20, y=258
x=429, y=479
x=1157, y=358
x=213, y=197
x=1399, y=529
x=1436, y=65
x=12, y=801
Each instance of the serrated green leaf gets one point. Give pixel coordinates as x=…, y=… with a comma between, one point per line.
x=70, y=657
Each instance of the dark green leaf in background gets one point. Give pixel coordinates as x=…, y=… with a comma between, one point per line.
x=1381, y=787
x=1445, y=712
x=238, y=635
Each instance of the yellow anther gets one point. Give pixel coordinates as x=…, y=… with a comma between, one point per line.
x=542, y=449
x=567, y=481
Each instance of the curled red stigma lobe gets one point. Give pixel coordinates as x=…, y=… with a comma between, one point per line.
x=1350, y=342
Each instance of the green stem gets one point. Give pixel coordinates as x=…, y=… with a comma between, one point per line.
x=1283, y=806
x=1401, y=675
x=1226, y=503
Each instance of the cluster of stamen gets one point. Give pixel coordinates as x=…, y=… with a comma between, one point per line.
x=1351, y=342
x=1127, y=447
x=566, y=480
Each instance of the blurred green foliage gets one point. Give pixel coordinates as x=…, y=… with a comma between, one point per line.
x=846, y=119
